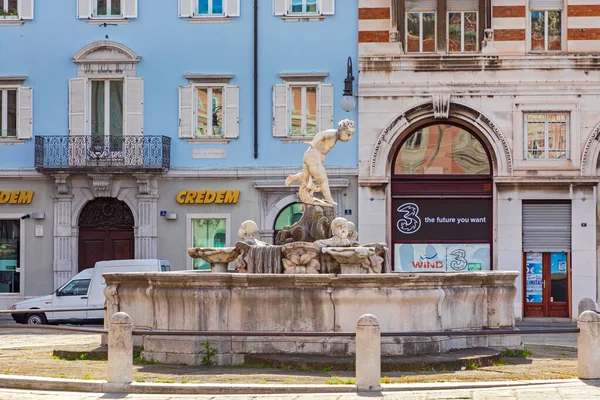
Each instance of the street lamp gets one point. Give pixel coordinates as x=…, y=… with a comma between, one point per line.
x=348, y=101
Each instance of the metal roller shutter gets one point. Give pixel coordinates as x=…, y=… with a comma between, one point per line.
x=546, y=227
x=462, y=5
x=420, y=5
x=543, y=5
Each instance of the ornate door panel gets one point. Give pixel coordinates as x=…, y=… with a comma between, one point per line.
x=105, y=232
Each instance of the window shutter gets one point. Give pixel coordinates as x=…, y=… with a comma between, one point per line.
x=543, y=5
x=280, y=115
x=232, y=113
x=462, y=5
x=546, y=227
x=186, y=8
x=232, y=8
x=327, y=7
x=186, y=104
x=326, y=108
x=26, y=9
x=134, y=106
x=420, y=5
x=84, y=9
x=77, y=102
x=280, y=7
x=25, y=117
x=129, y=8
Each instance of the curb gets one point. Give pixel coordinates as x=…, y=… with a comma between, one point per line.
x=77, y=385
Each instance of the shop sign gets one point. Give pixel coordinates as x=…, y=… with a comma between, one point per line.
x=441, y=220
x=16, y=197
x=208, y=196
x=441, y=257
x=533, y=278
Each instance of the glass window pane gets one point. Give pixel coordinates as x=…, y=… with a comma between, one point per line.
x=412, y=32
x=115, y=7
x=533, y=277
x=296, y=6
x=12, y=7
x=442, y=149
x=470, y=28
x=217, y=7
x=311, y=110
x=296, y=113
x=558, y=277
x=536, y=138
x=428, y=32
x=537, y=30
x=2, y=132
x=9, y=256
x=217, y=112
x=554, y=31
x=311, y=6
x=98, y=108
x=202, y=6
x=202, y=128
x=12, y=113
x=116, y=114
x=454, y=32
x=289, y=216
x=101, y=7
x=207, y=233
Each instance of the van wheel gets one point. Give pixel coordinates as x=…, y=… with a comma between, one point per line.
x=35, y=319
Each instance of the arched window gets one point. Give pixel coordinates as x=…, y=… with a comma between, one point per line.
x=288, y=216
x=442, y=150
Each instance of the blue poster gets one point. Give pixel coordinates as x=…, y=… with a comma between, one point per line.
x=558, y=263
x=533, y=278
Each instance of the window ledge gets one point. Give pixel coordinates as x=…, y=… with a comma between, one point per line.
x=209, y=20
x=208, y=140
x=297, y=139
x=303, y=18
x=11, y=21
x=11, y=141
x=102, y=21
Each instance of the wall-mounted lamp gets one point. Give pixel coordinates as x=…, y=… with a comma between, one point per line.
x=38, y=215
x=348, y=101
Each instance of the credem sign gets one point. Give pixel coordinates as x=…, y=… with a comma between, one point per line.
x=208, y=196
x=16, y=197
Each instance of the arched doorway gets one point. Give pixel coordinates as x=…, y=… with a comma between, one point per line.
x=442, y=201
x=105, y=232
x=288, y=216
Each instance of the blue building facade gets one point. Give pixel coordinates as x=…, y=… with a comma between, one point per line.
x=133, y=129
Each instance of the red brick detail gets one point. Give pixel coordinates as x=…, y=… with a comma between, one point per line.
x=588, y=10
x=508, y=35
x=373, y=37
x=583, y=34
x=374, y=13
x=508, y=11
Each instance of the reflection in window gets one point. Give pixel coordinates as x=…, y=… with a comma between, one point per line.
x=420, y=32
x=210, y=7
x=303, y=6
x=462, y=31
x=289, y=216
x=9, y=256
x=303, y=106
x=442, y=149
x=77, y=287
x=546, y=31
x=207, y=233
x=209, y=112
x=546, y=135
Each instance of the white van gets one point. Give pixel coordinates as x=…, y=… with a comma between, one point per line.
x=84, y=290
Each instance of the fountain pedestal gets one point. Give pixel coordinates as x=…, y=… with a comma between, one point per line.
x=351, y=259
x=218, y=257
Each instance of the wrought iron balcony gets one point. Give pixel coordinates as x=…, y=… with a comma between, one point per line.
x=116, y=154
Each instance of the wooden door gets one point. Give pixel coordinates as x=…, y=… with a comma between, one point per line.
x=546, y=282
x=97, y=245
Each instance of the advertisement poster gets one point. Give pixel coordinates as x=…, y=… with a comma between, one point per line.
x=414, y=257
x=558, y=263
x=533, y=278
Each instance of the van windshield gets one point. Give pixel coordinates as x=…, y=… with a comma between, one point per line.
x=165, y=267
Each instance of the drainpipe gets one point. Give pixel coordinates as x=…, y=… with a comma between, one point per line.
x=255, y=79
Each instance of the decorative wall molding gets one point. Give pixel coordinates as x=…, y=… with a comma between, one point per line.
x=441, y=106
x=62, y=183
x=101, y=184
x=591, y=151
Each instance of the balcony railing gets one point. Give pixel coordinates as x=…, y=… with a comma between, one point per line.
x=102, y=153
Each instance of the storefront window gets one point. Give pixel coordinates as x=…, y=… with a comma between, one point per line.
x=9, y=256
x=208, y=233
x=442, y=150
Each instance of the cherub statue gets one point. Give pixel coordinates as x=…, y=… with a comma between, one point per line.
x=256, y=256
x=248, y=231
x=342, y=231
x=313, y=167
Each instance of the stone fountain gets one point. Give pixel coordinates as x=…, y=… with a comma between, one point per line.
x=317, y=277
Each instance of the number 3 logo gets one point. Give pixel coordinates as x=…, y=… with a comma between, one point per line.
x=460, y=262
x=410, y=222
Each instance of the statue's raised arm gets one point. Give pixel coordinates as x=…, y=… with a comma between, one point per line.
x=313, y=168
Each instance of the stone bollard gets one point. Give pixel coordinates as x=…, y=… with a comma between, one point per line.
x=588, y=345
x=120, y=348
x=368, y=354
x=586, y=304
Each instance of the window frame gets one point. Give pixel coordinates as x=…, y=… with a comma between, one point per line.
x=304, y=6
x=190, y=233
x=303, y=85
x=563, y=31
x=210, y=87
x=435, y=35
x=546, y=133
x=21, y=255
x=106, y=81
x=210, y=14
x=4, y=6
x=60, y=291
x=462, y=31
x=4, y=112
x=108, y=8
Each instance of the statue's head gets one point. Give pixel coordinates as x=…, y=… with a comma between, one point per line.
x=346, y=129
x=340, y=228
x=248, y=230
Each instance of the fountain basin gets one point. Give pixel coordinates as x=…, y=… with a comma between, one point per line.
x=218, y=257
x=311, y=303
